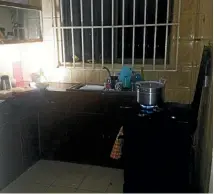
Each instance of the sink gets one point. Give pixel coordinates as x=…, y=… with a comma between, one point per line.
x=77, y=86
x=92, y=87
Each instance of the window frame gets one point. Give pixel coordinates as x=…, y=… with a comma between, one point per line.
x=172, y=47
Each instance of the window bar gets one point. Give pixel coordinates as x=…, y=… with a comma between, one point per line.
x=92, y=32
x=155, y=34
x=178, y=34
x=17, y=28
x=72, y=32
x=62, y=34
x=166, y=38
x=82, y=33
x=102, y=33
x=55, y=30
x=144, y=32
x=112, y=36
x=119, y=26
x=133, y=35
x=123, y=23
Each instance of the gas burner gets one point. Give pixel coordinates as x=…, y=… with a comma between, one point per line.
x=147, y=110
x=146, y=107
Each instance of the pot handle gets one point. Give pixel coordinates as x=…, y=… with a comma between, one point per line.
x=162, y=80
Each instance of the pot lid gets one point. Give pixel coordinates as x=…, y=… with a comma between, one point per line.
x=150, y=84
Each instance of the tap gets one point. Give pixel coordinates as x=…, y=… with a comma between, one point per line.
x=107, y=71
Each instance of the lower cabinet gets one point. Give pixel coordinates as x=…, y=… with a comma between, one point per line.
x=30, y=140
x=19, y=148
x=53, y=130
x=10, y=154
x=156, y=153
x=78, y=137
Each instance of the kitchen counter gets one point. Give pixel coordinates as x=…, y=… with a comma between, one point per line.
x=19, y=139
x=73, y=126
x=74, y=87
x=4, y=94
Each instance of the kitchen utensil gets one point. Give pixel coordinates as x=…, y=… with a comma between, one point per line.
x=112, y=79
x=42, y=85
x=5, y=82
x=118, y=86
x=150, y=93
x=137, y=77
x=125, y=76
x=127, y=82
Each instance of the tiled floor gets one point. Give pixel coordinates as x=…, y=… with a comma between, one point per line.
x=61, y=177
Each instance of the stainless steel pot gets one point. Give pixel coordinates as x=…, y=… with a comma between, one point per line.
x=150, y=93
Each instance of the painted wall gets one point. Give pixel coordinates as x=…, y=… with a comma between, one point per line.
x=195, y=31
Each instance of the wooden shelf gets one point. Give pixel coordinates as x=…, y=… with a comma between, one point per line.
x=2, y=42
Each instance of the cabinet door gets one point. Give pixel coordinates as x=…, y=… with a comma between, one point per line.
x=10, y=153
x=4, y=159
x=85, y=135
x=53, y=133
x=113, y=102
x=94, y=138
x=86, y=102
x=30, y=140
x=83, y=138
x=28, y=20
x=5, y=113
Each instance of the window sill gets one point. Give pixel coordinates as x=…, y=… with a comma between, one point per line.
x=2, y=42
x=117, y=67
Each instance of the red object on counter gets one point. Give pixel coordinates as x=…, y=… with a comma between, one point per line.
x=18, y=74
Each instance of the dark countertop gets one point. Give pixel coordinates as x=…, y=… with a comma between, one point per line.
x=73, y=87
x=5, y=94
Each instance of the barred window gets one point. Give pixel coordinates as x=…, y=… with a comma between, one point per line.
x=116, y=31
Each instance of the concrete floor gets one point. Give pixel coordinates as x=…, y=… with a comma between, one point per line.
x=62, y=177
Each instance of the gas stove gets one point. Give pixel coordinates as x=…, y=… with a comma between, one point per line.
x=148, y=110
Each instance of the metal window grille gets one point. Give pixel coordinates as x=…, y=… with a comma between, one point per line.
x=117, y=55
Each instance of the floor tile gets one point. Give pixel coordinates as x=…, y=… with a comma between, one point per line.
x=95, y=183
x=69, y=180
x=59, y=168
x=116, y=182
x=58, y=189
x=115, y=188
x=36, y=176
x=25, y=188
x=117, y=176
x=53, y=167
x=102, y=171
x=85, y=191
x=73, y=168
x=64, y=177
